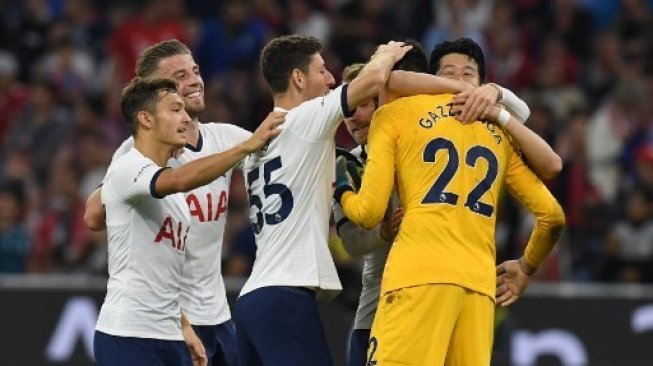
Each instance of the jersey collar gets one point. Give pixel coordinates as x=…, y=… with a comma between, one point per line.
x=200, y=142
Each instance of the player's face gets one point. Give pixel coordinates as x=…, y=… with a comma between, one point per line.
x=171, y=120
x=459, y=67
x=358, y=124
x=319, y=79
x=185, y=72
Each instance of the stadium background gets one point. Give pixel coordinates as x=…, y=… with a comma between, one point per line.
x=585, y=68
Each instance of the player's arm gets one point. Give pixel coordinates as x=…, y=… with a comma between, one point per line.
x=526, y=187
x=373, y=77
x=194, y=344
x=404, y=83
x=476, y=103
x=356, y=240
x=367, y=207
x=544, y=161
x=205, y=170
x=94, y=215
x=513, y=103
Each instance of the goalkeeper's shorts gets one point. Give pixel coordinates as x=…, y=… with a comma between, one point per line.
x=434, y=324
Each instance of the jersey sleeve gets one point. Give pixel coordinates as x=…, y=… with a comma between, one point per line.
x=367, y=207
x=130, y=180
x=526, y=187
x=318, y=119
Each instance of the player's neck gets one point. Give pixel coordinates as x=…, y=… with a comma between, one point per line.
x=193, y=132
x=288, y=100
x=158, y=152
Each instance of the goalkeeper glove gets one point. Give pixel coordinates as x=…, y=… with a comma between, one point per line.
x=344, y=181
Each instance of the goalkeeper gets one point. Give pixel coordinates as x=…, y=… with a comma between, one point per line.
x=374, y=245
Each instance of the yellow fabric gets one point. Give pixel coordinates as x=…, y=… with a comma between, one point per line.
x=432, y=325
x=444, y=242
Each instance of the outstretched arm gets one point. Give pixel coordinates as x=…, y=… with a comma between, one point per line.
x=205, y=170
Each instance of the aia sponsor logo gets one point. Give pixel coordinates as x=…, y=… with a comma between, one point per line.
x=172, y=233
x=205, y=209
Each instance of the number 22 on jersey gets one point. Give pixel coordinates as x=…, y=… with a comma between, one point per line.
x=438, y=194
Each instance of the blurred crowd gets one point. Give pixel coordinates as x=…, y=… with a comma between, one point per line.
x=585, y=68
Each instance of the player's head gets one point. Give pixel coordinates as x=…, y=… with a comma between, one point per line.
x=294, y=63
x=358, y=124
x=172, y=59
x=153, y=106
x=461, y=59
x=414, y=60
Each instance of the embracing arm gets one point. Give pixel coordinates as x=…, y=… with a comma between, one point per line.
x=205, y=170
x=404, y=83
x=544, y=161
x=373, y=77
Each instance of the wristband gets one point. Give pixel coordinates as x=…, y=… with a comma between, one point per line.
x=503, y=118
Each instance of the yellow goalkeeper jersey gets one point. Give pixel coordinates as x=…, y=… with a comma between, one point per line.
x=449, y=178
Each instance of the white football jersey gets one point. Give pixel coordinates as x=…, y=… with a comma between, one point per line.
x=203, y=294
x=290, y=185
x=146, y=243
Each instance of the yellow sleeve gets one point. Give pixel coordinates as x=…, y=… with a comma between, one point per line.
x=367, y=207
x=549, y=217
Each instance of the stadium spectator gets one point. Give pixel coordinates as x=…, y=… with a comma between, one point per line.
x=14, y=240
x=630, y=244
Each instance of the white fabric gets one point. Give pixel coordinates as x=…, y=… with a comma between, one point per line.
x=290, y=185
x=203, y=296
x=146, y=244
x=517, y=107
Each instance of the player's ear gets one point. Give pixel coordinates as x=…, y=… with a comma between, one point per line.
x=145, y=119
x=298, y=78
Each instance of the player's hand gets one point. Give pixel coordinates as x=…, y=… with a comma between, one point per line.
x=265, y=132
x=390, y=225
x=396, y=50
x=512, y=280
x=476, y=104
x=195, y=346
x=343, y=176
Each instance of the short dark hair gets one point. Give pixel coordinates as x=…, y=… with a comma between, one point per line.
x=149, y=60
x=464, y=46
x=142, y=95
x=284, y=54
x=414, y=60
